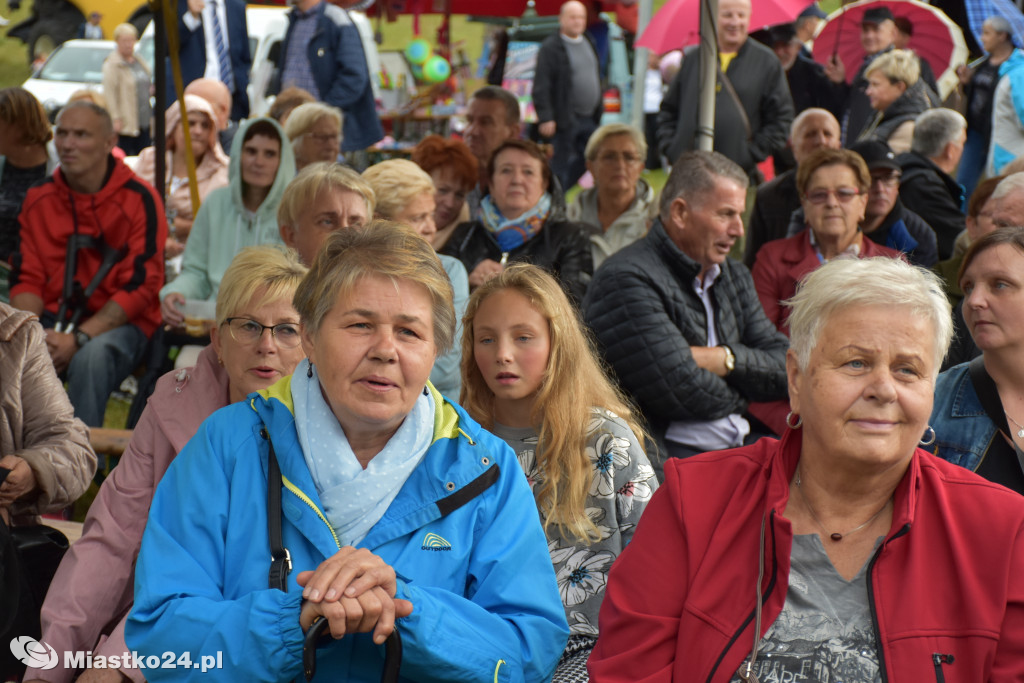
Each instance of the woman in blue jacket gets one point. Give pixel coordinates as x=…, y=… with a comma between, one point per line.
x=398, y=510
x=979, y=405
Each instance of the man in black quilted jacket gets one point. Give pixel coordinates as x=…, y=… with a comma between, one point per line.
x=680, y=322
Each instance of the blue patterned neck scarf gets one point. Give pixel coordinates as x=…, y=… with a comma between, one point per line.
x=353, y=498
x=515, y=232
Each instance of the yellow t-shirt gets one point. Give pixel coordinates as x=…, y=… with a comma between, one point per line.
x=725, y=58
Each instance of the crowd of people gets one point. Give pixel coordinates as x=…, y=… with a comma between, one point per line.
x=731, y=430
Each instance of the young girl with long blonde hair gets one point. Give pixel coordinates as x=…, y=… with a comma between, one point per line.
x=530, y=375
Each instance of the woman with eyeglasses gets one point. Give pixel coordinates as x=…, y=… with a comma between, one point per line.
x=833, y=186
x=620, y=205
x=256, y=342
x=314, y=129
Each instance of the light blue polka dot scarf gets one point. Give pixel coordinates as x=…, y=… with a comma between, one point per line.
x=355, y=499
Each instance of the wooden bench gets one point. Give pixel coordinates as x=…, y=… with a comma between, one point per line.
x=109, y=441
x=109, y=445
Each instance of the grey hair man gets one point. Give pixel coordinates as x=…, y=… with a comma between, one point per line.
x=567, y=91
x=776, y=200
x=1006, y=205
x=680, y=321
x=928, y=187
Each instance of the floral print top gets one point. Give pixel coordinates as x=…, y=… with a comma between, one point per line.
x=622, y=485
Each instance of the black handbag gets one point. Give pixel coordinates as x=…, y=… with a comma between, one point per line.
x=29, y=557
x=281, y=566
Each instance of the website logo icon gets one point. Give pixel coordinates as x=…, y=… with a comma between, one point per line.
x=33, y=653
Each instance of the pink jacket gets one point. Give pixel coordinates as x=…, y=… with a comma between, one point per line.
x=211, y=172
x=782, y=263
x=92, y=590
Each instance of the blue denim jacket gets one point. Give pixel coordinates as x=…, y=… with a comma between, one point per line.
x=963, y=430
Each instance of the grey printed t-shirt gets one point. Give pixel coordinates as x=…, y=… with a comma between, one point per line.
x=622, y=484
x=824, y=633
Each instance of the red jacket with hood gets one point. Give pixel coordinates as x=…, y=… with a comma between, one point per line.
x=946, y=587
x=126, y=212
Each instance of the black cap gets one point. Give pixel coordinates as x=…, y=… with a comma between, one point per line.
x=876, y=154
x=782, y=33
x=813, y=10
x=876, y=15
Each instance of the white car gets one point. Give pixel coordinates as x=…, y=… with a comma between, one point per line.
x=267, y=26
x=74, y=65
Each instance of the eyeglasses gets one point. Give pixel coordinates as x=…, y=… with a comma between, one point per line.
x=615, y=157
x=248, y=331
x=324, y=138
x=843, y=194
x=890, y=178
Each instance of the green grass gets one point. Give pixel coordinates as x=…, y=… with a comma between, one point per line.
x=14, y=66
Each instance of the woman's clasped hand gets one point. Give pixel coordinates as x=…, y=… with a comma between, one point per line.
x=355, y=591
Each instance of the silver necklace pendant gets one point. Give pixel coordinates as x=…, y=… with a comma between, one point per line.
x=748, y=674
x=1020, y=433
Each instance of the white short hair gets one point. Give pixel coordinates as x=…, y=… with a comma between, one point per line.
x=880, y=281
x=1011, y=184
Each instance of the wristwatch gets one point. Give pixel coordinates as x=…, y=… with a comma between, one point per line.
x=81, y=338
x=730, y=359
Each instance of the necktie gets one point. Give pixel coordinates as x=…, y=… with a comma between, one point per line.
x=223, y=58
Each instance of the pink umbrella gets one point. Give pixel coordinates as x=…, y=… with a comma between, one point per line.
x=936, y=38
x=677, y=23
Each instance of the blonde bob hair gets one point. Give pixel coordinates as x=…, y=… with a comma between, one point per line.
x=126, y=30
x=273, y=269
x=305, y=116
x=879, y=281
x=574, y=383
x=397, y=182
x=598, y=137
x=899, y=66
x=322, y=176
x=381, y=249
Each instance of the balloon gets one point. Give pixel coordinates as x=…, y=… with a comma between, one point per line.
x=418, y=51
x=417, y=71
x=436, y=69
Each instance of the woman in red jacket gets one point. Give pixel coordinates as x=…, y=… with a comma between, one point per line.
x=843, y=551
x=833, y=186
